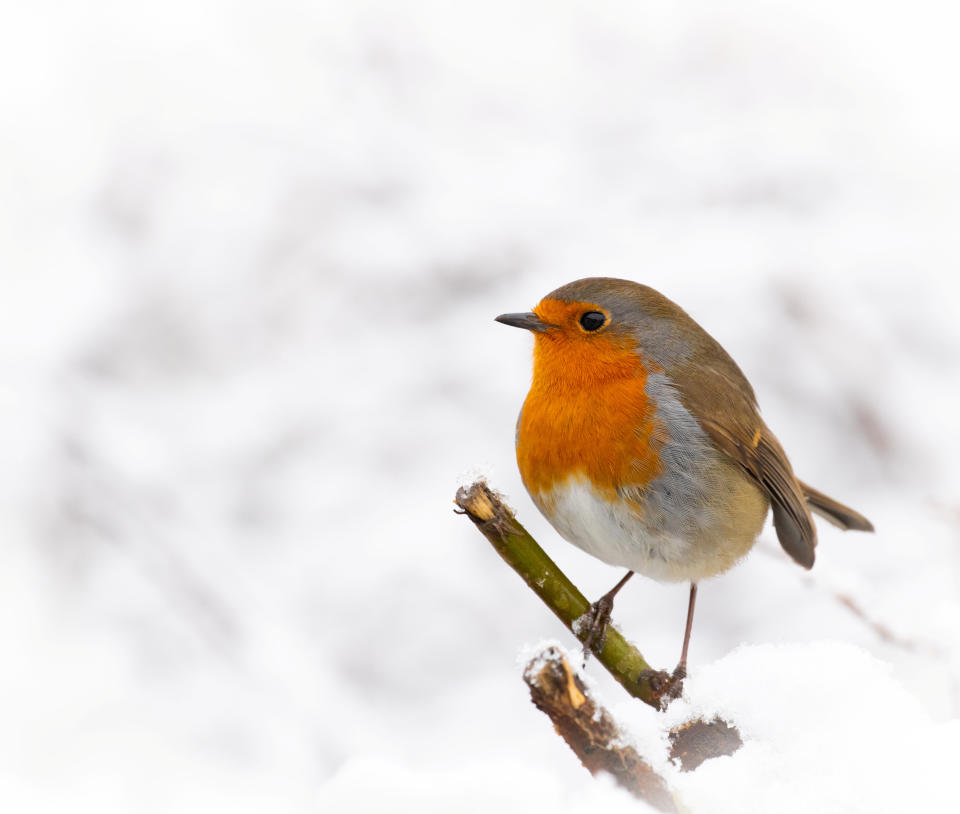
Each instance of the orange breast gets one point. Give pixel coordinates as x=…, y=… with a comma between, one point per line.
x=587, y=413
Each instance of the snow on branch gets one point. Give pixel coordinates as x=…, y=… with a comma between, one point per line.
x=589, y=730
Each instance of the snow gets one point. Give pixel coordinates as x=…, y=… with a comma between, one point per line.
x=251, y=256
x=371, y=784
x=845, y=737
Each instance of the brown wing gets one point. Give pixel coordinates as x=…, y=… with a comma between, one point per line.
x=762, y=457
x=722, y=401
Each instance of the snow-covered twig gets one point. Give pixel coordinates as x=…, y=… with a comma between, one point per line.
x=589, y=730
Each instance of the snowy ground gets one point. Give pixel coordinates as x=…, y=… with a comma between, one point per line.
x=250, y=256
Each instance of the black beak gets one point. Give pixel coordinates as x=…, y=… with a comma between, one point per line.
x=530, y=322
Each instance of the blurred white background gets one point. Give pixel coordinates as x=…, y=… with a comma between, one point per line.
x=251, y=253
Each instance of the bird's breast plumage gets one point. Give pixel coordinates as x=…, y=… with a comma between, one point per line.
x=621, y=469
x=604, y=432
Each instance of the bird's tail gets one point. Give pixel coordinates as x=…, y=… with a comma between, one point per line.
x=829, y=509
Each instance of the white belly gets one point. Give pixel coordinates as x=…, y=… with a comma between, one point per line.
x=689, y=545
x=614, y=533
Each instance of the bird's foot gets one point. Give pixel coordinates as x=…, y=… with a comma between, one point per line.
x=663, y=685
x=596, y=621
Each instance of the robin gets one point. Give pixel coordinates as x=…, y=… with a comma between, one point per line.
x=641, y=442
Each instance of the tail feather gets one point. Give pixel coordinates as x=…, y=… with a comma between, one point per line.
x=829, y=509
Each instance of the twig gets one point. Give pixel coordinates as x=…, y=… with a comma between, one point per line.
x=586, y=727
x=884, y=633
x=697, y=741
x=589, y=730
x=512, y=542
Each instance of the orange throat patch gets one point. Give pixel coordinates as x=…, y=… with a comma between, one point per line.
x=587, y=413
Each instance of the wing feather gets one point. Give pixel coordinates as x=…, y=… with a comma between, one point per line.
x=722, y=401
x=762, y=457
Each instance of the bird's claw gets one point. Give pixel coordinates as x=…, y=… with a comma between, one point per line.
x=598, y=619
x=664, y=686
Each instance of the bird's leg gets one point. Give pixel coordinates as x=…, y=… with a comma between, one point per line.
x=667, y=686
x=598, y=617
x=680, y=671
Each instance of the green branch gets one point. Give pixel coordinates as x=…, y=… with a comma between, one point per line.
x=522, y=553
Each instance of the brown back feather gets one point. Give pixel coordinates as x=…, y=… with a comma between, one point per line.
x=722, y=401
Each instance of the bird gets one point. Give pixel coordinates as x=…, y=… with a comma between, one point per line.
x=641, y=442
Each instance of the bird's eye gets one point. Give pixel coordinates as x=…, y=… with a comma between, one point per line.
x=592, y=321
